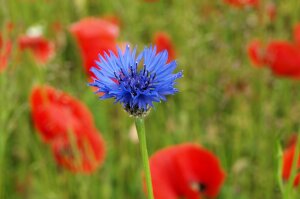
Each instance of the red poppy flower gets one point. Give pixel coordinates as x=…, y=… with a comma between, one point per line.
x=55, y=114
x=256, y=53
x=271, y=10
x=283, y=59
x=41, y=48
x=297, y=34
x=187, y=171
x=5, y=51
x=94, y=36
x=163, y=42
x=243, y=3
x=66, y=124
x=288, y=158
x=83, y=153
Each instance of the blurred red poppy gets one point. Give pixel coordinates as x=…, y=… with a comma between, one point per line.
x=187, y=170
x=55, y=114
x=271, y=10
x=66, y=124
x=163, y=41
x=83, y=153
x=243, y=3
x=41, y=48
x=288, y=158
x=283, y=59
x=256, y=53
x=94, y=36
x=5, y=51
x=297, y=34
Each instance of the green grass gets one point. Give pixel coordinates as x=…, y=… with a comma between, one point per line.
x=225, y=104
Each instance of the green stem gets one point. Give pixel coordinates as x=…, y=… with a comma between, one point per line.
x=140, y=127
x=279, y=167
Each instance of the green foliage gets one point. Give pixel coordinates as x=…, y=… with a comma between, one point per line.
x=236, y=111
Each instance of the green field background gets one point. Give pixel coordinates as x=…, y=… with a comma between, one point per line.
x=235, y=110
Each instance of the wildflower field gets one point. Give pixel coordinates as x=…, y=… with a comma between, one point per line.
x=221, y=121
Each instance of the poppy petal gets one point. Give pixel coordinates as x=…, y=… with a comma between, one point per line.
x=178, y=171
x=163, y=42
x=48, y=103
x=94, y=36
x=42, y=49
x=288, y=158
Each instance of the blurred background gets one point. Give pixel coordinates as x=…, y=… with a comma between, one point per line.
x=235, y=110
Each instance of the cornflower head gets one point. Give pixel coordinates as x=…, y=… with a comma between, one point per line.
x=136, y=86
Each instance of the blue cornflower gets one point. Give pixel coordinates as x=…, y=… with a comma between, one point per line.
x=119, y=77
